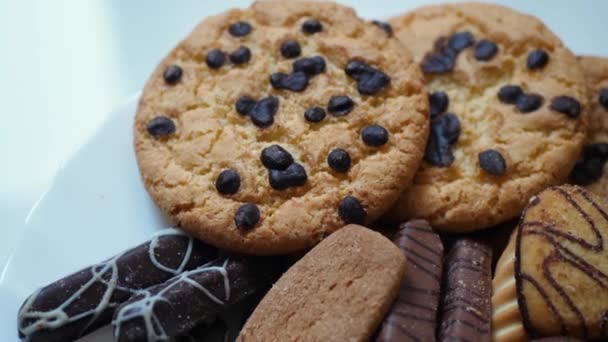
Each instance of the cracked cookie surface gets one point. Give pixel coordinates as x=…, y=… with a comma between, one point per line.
x=520, y=101
x=246, y=80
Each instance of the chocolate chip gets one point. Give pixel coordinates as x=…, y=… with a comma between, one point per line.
x=247, y=216
x=369, y=79
x=293, y=175
x=244, y=104
x=384, y=26
x=228, y=182
x=296, y=81
x=290, y=49
x=311, y=26
x=438, y=62
x=460, y=40
x=509, y=94
x=351, y=210
x=239, y=29
x=492, y=162
x=438, y=102
x=603, y=98
x=374, y=135
x=527, y=103
x=274, y=157
x=215, y=58
x=310, y=66
x=339, y=160
x=537, y=59
x=241, y=55
x=566, y=105
x=262, y=113
x=172, y=74
x=340, y=105
x=314, y=114
x=590, y=168
x=160, y=126
x=485, y=50
x=445, y=130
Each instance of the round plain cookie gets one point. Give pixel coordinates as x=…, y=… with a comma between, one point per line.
x=270, y=127
x=508, y=107
x=591, y=171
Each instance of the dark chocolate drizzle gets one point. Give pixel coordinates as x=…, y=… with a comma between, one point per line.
x=561, y=254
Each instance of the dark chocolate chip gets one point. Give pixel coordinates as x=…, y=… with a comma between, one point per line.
x=160, y=126
x=274, y=157
x=247, y=216
x=351, y=210
x=339, y=160
x=566, y=105
x=603, y=98
x=262, y=113
x=244, y=104
x=215, y=58
x=296, y=81
x=460, y=40
x=537, y=59
x=340, y=105
x=311, y=66
x=228, y=182
x=492, y=162
x=384, y=26
x=438, y=102
x=314, y=114
x=290, y=49
x=239, y=29
x=241, y=55
x=527, y=103
x=438, y=62
x=293, y=175
x=311, y=26
x=374, y=135
x=172, y=74
x=369, y=79
x=485, y=50
x=445, y=130
x=509, y=94
x=590, y=168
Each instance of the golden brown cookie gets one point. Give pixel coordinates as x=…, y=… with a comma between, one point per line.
x=591, y=171
x=553, y=277
x=508, y=107
x=339, y=291
x=270, y=127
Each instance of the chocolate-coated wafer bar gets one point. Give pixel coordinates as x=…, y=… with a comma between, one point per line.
x=181, y=303
x=84, y=301
x=413, y=316
x=465, y=304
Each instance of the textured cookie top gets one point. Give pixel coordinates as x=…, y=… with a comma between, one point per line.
x=561, y=264
x=341, y=100
x=508, y=106
x=591, y=170
x=339, y=291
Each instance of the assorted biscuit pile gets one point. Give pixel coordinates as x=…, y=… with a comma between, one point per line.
x=466, y=137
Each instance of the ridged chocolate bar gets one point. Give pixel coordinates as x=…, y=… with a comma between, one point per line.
x=465, y=304
x=413, y=316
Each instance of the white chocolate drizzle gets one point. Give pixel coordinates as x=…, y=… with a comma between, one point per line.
x=57, y=317
x=144, y=307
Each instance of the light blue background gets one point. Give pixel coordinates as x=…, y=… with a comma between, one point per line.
x=65, y=64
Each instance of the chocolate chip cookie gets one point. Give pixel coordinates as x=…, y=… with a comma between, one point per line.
x=508, y=110
x=270, y=127
x=591, y=170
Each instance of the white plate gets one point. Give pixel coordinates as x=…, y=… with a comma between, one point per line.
x=95, y=208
